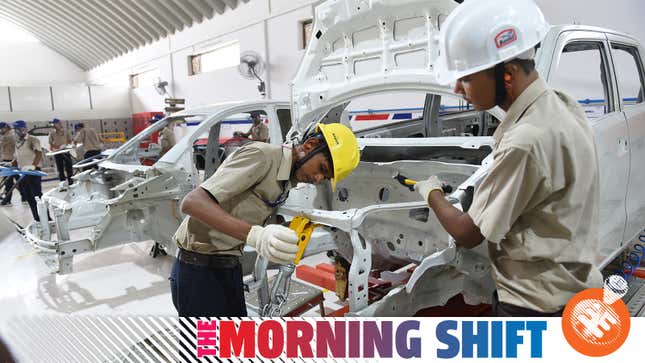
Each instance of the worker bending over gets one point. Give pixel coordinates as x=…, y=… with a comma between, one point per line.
x=90, y=140
x=538, y=205
x=232, y=206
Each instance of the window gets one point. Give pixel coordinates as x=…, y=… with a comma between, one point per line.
x=456, y=117
x=144, y=78
x=284, y=117
x=628, y=74
x=582, y=74
x=450, y=104
x=306, y=27
x=224, y=55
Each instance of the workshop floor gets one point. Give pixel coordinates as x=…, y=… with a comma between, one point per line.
x=123, y=280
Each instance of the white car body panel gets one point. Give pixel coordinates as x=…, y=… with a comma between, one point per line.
x=359, y=47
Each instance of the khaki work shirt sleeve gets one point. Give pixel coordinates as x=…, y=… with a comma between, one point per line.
x=34, y=144
x=506, y=192
x=262, y=133
x=171, y=138
x=79, y=137
x=240, y=172
x=51, y=140
x=167, y=139
x=163, y=141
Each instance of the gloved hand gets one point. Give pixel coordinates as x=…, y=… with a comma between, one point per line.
x=28, y=168
x=276, y=243
x=425, y=187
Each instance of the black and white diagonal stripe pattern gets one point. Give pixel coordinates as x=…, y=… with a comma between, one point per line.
x=117, y=339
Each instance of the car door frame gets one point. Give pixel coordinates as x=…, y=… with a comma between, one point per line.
x=610, y=133
x=635, y=121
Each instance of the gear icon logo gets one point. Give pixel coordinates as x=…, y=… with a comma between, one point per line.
x=596, y=321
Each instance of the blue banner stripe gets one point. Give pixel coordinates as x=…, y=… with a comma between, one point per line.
x=402, y=116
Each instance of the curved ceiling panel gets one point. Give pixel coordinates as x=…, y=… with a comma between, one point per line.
x=91, y=32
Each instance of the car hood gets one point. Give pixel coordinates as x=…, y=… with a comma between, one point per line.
x=360, y=47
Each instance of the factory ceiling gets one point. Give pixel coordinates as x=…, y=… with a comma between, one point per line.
x=92, y=32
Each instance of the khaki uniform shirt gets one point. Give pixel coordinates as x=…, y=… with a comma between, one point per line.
x=166, y=139
x=89, y=138
x=260, y=132
x=255, y=173
x=8, y=145
x=538, y=206
x=26, y=150
x=58, y=139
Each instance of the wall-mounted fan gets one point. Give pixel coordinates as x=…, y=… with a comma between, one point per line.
x=160, y=87
x=252, y=67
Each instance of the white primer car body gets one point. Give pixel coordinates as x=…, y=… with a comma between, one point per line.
x=125, y=201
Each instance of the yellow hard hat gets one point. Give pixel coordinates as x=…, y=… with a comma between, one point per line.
x=343, y=149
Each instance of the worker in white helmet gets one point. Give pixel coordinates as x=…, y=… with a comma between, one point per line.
x=538, y=206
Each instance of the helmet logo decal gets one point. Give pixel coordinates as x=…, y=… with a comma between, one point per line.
x=335, y=139
x=505, y=37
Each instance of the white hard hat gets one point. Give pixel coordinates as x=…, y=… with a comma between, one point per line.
x=479, y=34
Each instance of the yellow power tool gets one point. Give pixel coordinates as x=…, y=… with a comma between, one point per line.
x=303, y=228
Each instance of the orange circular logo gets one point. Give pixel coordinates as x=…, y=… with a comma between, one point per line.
x=595, y=322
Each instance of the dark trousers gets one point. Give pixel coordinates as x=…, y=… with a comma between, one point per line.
x=64, y=166
x=32, y=188
x=9, y=182
x=503, y=309
x=89, y=154
x=8, y=188
x=206, y=291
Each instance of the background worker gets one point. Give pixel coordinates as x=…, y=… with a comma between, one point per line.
x=155, y=118
x=58, y=138
x=90, y=140
x=258, y=132
x=148, y=139
x=232, y=206
x=28, y=158
x=538, y=205
x=7, y=151
x=167, y=137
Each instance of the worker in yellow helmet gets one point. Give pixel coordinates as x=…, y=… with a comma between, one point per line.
x=231, y=208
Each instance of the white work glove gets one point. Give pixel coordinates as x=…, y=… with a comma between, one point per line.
x=425, y=187
x=28, y=168
x=274, y=242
